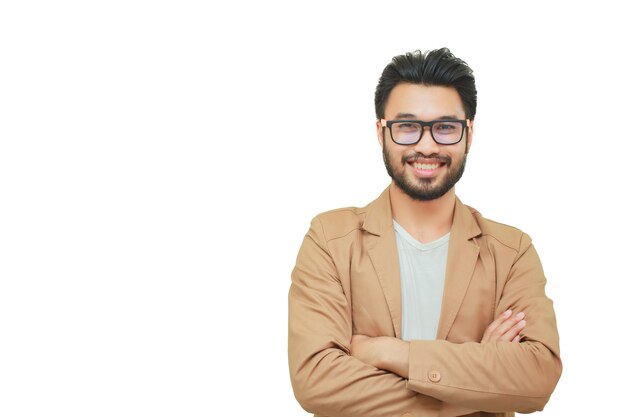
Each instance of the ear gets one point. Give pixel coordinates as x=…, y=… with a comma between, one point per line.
x=379, y=132
x=470, y=136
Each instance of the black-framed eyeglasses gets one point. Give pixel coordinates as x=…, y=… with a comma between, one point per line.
x=409, y=132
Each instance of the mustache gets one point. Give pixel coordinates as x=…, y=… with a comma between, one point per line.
x=418, y=155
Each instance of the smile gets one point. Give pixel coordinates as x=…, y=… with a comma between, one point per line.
x=426, y=168
x=431, y=166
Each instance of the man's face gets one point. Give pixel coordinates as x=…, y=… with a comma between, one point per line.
x=426, y=170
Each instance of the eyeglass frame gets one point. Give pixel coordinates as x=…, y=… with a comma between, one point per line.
x=388, y=123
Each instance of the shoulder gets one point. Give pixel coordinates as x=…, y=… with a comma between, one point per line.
x=339, y=222
x=500, y=233
x=344, y=225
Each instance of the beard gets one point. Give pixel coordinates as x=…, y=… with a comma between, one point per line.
x=424, y=189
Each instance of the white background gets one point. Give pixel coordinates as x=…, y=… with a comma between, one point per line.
x=160, y=163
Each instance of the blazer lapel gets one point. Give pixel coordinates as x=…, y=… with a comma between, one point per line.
x=384, y=256
x=462, y=257
x=381, y=247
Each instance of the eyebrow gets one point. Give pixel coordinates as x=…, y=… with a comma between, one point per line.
x=411, y=116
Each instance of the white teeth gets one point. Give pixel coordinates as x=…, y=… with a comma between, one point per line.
x=425, y=166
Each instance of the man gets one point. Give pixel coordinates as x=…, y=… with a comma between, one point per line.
x=416, y=305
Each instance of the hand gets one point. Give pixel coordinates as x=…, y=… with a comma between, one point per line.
x=383, y=352
x=505, y=328
x=365, y=349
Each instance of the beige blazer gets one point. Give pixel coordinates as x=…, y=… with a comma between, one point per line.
x=347, y=281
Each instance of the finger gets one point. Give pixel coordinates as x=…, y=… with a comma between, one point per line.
x=513, y=332
x=516, y=339
x=504, y=327
x=508, y=325
x=495, y=324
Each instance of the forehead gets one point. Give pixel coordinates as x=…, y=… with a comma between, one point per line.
x=424, y=102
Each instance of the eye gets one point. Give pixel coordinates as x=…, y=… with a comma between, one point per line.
x=407, y=126
x=446, y=128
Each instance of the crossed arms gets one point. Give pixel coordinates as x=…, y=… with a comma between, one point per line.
x=337, y=373
x=392, y=354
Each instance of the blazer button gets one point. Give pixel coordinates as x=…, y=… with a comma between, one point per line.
x=434, y=376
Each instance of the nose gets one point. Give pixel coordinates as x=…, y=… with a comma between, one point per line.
x=427, y=144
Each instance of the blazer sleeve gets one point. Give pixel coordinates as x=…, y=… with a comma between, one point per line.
x=326, y=380
x=498, y=376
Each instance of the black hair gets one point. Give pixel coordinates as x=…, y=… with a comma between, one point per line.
x=438, y=67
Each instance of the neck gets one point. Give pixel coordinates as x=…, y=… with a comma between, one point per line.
x=424, y=220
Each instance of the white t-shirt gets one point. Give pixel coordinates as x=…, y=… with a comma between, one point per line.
x=422, y=275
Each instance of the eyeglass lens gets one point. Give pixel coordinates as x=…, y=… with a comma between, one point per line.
x=442, y=132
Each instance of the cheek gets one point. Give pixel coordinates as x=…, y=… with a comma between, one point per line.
x=395, y=155
x=458, y=153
